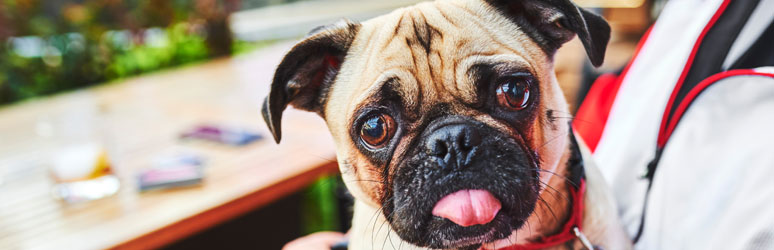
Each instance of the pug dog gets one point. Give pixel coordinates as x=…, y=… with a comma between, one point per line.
x=450, y=128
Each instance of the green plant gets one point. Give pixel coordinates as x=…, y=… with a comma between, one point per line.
x=320, y=211
x=52, y=46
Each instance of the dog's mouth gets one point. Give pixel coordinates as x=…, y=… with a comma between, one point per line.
x=462, y=209
x=473, y=215
x=468, y=207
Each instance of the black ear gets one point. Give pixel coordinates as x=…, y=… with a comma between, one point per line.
x=303, y=77
x=552, y=23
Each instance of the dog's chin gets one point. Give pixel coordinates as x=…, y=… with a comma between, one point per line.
x=441, y=233
x=452, y=236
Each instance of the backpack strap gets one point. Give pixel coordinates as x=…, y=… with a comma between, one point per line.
x=700, y=72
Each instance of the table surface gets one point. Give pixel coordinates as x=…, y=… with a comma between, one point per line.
x=137, y=120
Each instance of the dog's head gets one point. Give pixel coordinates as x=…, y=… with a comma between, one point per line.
x=438, y=104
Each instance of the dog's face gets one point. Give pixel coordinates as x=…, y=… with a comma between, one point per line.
x=443, y=99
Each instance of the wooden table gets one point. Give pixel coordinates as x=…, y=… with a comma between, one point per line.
x=139, y=119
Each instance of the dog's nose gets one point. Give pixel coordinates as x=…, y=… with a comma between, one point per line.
x=453, y=145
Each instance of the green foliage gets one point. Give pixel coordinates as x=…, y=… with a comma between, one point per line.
x=52, y=46
x=70, y=61
x=175, y=47
x=241, y=47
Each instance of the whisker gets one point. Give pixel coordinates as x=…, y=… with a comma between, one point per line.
x=559, y=111
x=555, y=137
x=555, y=192
x=582, y=120
x=560, y=176
x=540, y=219
x=526, y=221
x=385, y=240
x=529, y=227
x=321, y=157
x=388, y=228
x=388, y=233
x=374, y=218
x=389, y=238
x=549, y=208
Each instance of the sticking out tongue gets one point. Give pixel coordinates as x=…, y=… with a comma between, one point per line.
x=468, y=207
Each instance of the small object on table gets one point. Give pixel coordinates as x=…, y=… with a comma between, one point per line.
x=173, y=171
x=228, y=136
x=83, y=173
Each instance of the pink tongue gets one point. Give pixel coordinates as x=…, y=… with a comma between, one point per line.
x=468, y=207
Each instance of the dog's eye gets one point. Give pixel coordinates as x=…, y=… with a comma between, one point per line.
x=377, y=130
x=513, y=92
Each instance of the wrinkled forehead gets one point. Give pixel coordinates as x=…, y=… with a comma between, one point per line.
x=430, y=52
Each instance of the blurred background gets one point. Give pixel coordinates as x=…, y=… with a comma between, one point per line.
x=54, y=46
x=170, y=151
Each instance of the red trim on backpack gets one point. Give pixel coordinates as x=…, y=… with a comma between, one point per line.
x=685, y=103
x=662, y=137
x=591, y=117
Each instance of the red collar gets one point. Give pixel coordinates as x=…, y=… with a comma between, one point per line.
x=568, y=232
